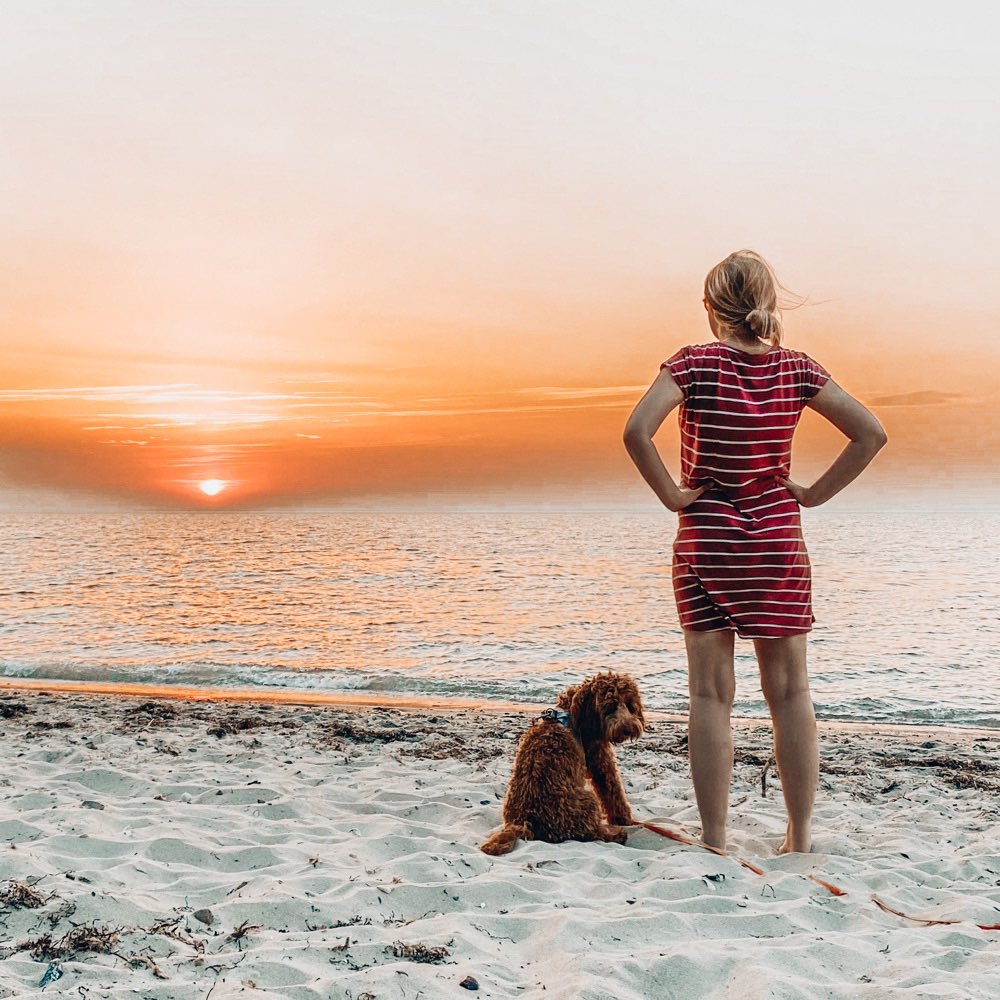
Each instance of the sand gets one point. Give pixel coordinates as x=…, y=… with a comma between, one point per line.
x=179, y=849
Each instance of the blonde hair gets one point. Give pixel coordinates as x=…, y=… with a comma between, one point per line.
x=743, y=293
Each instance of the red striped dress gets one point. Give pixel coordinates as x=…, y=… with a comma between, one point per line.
x=739, y=558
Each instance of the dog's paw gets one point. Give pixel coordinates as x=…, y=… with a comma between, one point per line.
x=617, y=834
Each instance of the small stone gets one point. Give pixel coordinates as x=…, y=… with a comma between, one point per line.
x=52, y=973
x=469, y=983
x=205, y=916
x=91, y=804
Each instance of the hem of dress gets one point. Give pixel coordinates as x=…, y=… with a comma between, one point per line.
x=742, y=635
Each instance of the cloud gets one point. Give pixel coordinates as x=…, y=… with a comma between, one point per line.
x=102, y=392
x=923, y=397
x=585, y=392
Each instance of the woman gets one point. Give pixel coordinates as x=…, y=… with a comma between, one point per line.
x=740, y=565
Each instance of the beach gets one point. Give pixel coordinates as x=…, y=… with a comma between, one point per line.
x=171, y=848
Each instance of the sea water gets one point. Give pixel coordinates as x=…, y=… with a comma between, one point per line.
x=497, y=605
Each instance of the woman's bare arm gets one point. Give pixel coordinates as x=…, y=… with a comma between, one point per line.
x=644, y=421
x=866, y=435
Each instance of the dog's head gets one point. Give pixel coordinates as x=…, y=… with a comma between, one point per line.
x=605, y=707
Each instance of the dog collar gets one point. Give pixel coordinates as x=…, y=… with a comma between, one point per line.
x=559, y=715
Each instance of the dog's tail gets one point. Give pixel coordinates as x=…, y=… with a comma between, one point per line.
x=503, y=841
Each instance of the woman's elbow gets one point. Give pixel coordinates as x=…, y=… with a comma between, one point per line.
x=874, y=438
x=635, y=435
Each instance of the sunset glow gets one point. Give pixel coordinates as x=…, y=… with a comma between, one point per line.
x=212, y=487
x=344, y=274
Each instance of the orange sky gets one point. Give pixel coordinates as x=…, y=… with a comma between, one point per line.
x=400, y=254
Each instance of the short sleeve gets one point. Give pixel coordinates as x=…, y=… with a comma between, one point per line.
x=814, y=377
x=679, y=366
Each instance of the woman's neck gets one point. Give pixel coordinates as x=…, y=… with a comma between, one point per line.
x=755, y=346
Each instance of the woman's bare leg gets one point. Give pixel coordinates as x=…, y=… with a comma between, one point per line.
x=785, y=685
x=712, y=686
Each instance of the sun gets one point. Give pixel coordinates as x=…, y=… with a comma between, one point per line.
x=212, y=487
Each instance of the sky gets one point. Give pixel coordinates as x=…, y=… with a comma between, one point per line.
x=330, y=253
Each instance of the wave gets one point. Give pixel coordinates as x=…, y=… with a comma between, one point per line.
x=659, y=695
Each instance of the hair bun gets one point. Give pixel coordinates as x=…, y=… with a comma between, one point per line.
x=762, y=322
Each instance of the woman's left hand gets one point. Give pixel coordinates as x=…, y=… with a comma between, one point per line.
x=800, y=493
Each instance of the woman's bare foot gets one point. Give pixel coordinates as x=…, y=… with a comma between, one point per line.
x=716, y=840
x=794, y=844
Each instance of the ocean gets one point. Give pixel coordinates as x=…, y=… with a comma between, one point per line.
x=496, y=605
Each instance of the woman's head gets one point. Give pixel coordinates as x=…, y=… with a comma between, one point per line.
x=743, y=293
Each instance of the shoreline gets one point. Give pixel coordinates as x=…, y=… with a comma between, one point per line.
x=284, y=696
x=174, y=847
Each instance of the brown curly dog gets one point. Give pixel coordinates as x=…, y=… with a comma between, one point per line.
x=549, y=797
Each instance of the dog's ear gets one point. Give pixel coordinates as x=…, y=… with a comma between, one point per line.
x=565, y=700
x=584, y=712
x=629, y=694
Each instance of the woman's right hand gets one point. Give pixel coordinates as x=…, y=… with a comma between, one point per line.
x=686, y=497
x=801, y=493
